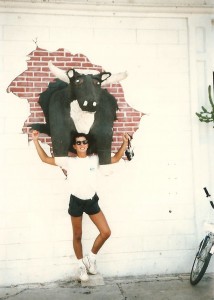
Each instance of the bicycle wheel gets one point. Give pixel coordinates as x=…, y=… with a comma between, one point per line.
x=201, y=261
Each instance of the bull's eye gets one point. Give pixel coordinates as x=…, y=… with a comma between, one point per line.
x=96, y=82
x=78, y=81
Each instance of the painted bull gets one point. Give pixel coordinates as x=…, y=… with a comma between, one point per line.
x=77, y=103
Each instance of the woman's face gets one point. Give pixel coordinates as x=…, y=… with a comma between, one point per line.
x=81, y=145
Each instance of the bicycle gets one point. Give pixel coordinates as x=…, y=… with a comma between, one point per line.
x=205, y=251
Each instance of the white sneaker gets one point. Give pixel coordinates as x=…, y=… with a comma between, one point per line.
x=83, y=276
x=90, y=265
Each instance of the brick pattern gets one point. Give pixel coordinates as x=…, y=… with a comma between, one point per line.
x=33, y=81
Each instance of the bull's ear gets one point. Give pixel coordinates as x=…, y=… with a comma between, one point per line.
x=72, y=73
x=104, y=76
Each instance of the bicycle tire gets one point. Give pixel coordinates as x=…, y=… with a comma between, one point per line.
x=201, y=261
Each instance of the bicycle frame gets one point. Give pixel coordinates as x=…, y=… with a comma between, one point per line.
x=205, y=251
x=209, y=228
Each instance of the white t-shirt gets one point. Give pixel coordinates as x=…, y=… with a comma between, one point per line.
x=81, y=174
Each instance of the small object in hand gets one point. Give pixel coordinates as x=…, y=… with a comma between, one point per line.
x=129, y=152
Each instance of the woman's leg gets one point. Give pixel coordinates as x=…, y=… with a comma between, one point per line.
x=100, y=221
x=77, y=244
x=77, y=236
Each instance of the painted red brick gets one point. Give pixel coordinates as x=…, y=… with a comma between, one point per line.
x=56, y=54
x=118, y=124
x=18, y=90
x=79, y=59
x=131, y=114
x=86, y=65
x=41, y=74
x=22, y=83
x=33, y=79
x=41, y=53
x=62, y=59
x=43, y=58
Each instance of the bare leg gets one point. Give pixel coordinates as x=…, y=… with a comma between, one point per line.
x=77, y=236
x=100, y=221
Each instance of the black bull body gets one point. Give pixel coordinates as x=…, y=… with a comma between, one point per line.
x=80, y=105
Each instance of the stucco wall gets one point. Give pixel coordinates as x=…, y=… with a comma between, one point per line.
x=154, y=204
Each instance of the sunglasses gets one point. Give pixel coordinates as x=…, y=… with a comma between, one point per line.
x=85, y=142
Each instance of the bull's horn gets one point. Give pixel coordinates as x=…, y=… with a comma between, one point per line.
x=115, y=78
x=59, y=73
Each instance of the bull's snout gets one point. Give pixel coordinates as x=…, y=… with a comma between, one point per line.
x=89, y=105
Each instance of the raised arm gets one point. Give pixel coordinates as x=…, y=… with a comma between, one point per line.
x=42, y=154
x=121, y=150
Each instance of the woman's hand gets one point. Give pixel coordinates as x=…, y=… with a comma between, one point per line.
x=35, y=135
x=126, y=138
x=42, y=154
x=120, y=152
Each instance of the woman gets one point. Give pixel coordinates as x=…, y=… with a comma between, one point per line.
x=81, y=171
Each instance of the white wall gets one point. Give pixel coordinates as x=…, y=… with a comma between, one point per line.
x=154, y=204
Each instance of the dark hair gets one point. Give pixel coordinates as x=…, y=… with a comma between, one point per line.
x=77, y=135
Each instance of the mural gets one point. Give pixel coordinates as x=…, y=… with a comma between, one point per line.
x=33, y=83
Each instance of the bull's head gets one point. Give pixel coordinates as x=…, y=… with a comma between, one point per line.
x=86, y=86
x=86, y=89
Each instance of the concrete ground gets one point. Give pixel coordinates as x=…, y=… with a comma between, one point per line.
x=172, y=287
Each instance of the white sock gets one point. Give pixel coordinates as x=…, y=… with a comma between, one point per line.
x=92, y=256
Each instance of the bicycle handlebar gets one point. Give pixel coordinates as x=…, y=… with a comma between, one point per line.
x=208, y=195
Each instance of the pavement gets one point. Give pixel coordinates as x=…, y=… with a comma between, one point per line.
x=170, y=287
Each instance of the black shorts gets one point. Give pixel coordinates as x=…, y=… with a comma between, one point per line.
x=77, y=206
